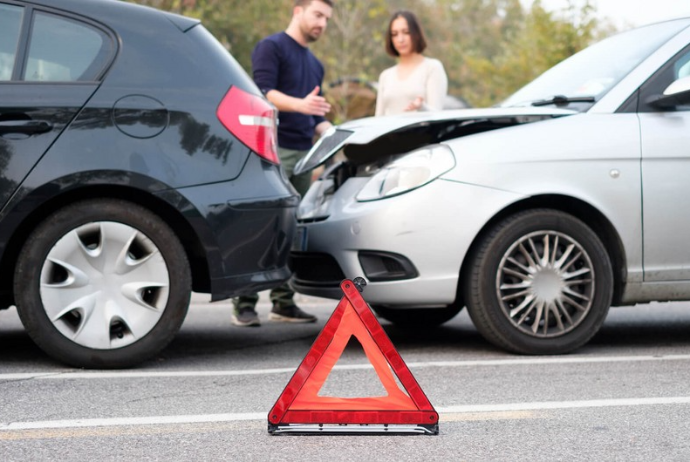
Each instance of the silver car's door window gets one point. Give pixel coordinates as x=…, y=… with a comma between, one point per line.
x=62, y=50
x=10, y=25
x=665, y=141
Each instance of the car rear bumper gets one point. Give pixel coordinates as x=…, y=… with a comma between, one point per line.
x=245, y=239
x=253, y=245
x=246, y=284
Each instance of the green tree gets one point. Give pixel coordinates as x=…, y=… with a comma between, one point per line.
x=540, y=41
x=237, y=24
x=489, y=48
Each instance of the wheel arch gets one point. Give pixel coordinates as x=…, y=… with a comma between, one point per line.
x=582, y=210
x=201, y=281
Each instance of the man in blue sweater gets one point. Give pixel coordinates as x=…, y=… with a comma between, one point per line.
x=290, y=76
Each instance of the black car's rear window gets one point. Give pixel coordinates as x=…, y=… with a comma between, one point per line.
x=64, y=50
x=10, y=24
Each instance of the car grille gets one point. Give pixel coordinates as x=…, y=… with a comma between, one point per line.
x=316, y=269
x=334, y=141
x=324, y=147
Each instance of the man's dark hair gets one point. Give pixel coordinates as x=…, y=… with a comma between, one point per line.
x=306, y=3
x=418, y=39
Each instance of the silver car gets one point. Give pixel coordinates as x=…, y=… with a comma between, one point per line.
x=537, y=215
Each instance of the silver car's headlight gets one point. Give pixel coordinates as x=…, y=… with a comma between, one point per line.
x=408, y=172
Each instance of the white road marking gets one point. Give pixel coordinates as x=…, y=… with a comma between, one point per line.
x=447, y=413
x=131, y=421
x=141, y=374
x=532, y=361
x=547, y=405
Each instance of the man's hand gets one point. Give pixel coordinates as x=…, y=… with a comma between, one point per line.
x=313, y=104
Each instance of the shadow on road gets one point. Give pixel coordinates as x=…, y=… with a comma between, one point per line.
x=209, y=340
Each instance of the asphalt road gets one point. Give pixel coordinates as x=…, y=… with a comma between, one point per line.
x=625, y=396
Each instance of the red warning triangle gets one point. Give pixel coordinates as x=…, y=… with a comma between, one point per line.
x=300, y=402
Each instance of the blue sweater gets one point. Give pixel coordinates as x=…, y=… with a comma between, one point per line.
x=280, y=63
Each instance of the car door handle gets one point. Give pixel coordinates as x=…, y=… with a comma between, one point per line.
x=26, y=127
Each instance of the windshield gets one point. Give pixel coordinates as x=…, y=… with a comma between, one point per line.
x=595, y=70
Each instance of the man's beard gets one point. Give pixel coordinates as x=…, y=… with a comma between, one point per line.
x=311, y=36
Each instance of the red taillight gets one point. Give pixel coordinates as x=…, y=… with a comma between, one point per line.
x=252, y=120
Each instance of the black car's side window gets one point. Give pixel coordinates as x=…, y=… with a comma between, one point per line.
x=10, y=25
x=63, y=50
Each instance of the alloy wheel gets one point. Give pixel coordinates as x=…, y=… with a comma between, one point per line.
x=545, y=284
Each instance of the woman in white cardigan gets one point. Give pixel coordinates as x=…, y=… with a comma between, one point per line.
x=416, y=83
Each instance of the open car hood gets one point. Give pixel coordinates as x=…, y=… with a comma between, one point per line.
x=365, y=140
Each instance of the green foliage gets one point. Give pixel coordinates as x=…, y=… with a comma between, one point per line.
x=533, y=45
x=353, y=45
x=489, y=48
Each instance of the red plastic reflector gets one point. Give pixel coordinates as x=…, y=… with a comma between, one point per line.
x=252, y=120
x=300, y=403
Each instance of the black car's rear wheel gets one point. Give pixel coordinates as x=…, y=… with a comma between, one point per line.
x=540, y=282
x=102, y=283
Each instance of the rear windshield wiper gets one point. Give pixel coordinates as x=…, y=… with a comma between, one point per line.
x=560, y=100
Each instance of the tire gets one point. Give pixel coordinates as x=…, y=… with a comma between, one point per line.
x=540, y=282
x=102, y=283
x=417, y=317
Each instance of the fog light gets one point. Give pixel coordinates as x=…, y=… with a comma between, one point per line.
x=385, y=266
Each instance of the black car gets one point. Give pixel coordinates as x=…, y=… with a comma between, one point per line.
x=137, y=163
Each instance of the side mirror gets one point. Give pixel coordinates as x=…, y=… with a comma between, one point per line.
x=676, y=94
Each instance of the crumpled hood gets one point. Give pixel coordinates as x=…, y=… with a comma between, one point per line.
x=414, y=129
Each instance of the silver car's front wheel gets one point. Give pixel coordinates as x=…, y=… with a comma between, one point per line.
x=102, y=283
x=539, y=282
x=545, y=283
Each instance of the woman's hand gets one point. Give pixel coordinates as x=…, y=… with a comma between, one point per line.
x=415, y=104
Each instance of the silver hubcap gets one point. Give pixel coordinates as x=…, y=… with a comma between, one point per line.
x=545, y=283
x=104, y=285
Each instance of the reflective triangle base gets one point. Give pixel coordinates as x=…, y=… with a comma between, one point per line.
x=337, y=429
